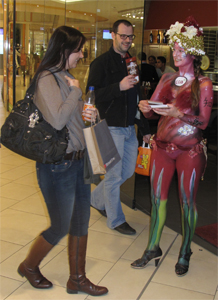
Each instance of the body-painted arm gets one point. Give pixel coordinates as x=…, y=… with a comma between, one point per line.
x=143, y=104
x=205, y=105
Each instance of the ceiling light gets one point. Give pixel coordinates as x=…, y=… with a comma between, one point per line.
x=69, y=1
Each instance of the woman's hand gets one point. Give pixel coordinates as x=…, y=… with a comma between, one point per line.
x=72, y=82
x=171, y=111
x=144, y=106
x=90, y=114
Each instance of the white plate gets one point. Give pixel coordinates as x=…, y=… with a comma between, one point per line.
x=154, y=102
x=159, y=106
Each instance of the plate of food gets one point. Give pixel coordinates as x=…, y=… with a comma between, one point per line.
x=155, y=104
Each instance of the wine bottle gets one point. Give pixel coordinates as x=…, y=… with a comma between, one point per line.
x=151, y=37
x=164, y=37
x=158, y=37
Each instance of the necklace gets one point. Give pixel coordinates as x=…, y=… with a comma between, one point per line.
x=180, y=81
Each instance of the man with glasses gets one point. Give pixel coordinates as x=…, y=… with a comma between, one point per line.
x=116, y=95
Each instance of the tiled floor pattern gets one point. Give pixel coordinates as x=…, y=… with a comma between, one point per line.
x=24, y=216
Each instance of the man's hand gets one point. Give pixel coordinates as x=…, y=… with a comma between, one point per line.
x=146, y=138
x=127, y=83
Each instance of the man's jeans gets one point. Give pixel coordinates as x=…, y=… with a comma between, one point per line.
x=67, y=198
x=107, y=194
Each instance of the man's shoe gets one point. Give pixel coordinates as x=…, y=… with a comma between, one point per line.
x=125, y=229
x=102, y=212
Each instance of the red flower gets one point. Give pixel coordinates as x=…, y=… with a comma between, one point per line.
x=190, y=21
x=183, y=29
x=199, y=33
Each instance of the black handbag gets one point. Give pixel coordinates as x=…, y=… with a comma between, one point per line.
x=25, y=132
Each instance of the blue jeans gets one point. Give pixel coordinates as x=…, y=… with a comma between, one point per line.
x=67, y=199
x=107, y=194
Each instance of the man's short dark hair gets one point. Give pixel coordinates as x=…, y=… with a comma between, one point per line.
x=118, y=22
x=152, y=56
x=162, y=59
x=142, y=56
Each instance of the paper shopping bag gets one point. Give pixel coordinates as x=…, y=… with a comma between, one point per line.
x=102, y=151
x=88, y=175
x=143, y=160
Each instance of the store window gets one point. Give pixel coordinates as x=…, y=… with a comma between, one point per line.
x=36, y=20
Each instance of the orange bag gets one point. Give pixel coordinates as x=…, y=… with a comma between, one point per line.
x=143, y=160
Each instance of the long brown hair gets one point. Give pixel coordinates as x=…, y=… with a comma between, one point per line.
x=64, y=41
x=195, y=87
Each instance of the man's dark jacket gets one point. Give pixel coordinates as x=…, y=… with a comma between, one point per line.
x=106, y=72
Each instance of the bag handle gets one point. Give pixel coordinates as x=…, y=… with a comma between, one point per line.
x=97, y=119
x=143, y=145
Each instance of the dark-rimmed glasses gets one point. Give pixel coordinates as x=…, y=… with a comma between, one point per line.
x=125, y=36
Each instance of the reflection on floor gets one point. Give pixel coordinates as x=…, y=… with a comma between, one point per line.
x=24, y=215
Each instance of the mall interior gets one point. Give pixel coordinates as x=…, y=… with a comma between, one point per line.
x=25, y=28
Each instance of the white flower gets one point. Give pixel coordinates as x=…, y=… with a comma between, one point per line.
x=176, y=28
x=190, y=32
x=186, y=39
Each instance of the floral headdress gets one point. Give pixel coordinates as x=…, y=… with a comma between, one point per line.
x=188, y=35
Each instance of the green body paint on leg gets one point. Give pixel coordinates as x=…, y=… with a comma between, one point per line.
x=189, y=218
x=158, y=213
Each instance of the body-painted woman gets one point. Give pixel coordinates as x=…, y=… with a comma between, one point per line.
x=178, y=143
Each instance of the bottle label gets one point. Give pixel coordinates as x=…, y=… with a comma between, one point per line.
x=86, y=106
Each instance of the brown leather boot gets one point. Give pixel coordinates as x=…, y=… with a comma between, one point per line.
x=78, y=281
x=30, y=266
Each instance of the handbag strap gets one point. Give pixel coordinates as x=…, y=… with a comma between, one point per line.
x=31, y=89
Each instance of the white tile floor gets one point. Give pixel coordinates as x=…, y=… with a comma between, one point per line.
x=24, y=215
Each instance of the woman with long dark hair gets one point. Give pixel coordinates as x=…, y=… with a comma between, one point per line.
x=58, y=97
x=178, y=143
